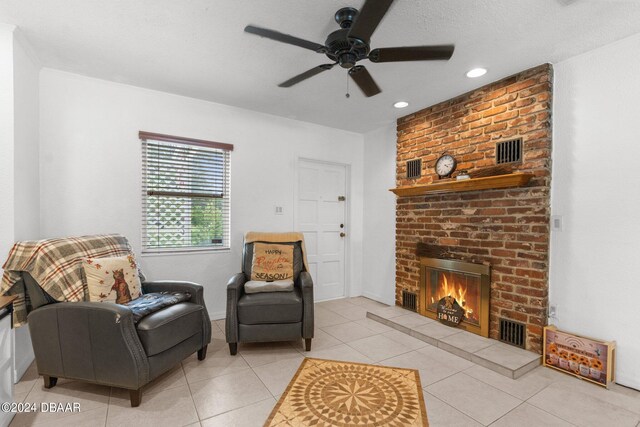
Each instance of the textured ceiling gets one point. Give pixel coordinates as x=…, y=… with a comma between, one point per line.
x=198, y=48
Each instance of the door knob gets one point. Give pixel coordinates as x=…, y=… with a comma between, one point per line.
x=342, y=234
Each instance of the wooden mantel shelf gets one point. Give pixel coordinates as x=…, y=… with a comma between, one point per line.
x=473, y=184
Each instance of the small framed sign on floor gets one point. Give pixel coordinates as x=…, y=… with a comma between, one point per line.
x=586, y=358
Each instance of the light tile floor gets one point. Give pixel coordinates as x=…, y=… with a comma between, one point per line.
x=241, y=390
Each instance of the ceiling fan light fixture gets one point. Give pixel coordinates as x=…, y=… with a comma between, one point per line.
x=476, y=72
x=401, y=104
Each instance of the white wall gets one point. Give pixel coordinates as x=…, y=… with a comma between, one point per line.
x=26, y=169
x=26, y=150
x=594, y=277
x=6, y=157
x=90, y=169
x=6, y=139
x=19, y=183
x=379, y=256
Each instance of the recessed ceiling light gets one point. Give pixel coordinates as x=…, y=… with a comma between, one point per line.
x=476, y=72
x=401, y=104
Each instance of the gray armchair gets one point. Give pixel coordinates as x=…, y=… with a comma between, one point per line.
x=100, y=343
x=269, y=316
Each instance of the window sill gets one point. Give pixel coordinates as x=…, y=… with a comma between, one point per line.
x=172, y=252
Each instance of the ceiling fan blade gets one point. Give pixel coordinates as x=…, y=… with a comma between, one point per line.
x=363, y=79
x=285, y=38
x=368, y=19
x=307, y=74
x=413, y=53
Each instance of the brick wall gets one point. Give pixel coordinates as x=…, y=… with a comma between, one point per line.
x=509, y=228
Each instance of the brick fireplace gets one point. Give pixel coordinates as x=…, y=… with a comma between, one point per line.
x=506, y=229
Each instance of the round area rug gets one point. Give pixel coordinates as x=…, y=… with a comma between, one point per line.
x=334, y=393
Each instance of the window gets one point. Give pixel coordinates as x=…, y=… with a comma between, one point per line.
x=185, y=194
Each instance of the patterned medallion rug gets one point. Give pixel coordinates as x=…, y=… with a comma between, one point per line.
x=333, y=393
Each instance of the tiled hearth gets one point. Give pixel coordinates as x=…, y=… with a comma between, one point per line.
x=502, y=358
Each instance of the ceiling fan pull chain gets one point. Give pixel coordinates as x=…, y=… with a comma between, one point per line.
x=347, y=94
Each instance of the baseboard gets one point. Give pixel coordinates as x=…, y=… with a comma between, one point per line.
x=628, y=382
x=22, y=366
x=218, y=315
x=22, y=352
x=377, y=297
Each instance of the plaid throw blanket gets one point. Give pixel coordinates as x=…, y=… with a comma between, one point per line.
x=56, y=264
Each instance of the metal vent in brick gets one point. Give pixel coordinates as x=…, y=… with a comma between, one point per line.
x=414, y=168
x=509, y=151
x=409, y=300
x=512, y=332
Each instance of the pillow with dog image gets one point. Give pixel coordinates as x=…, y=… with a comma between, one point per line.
x=112, y=279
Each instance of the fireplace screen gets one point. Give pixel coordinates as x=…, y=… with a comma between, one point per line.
x=467, y=283
x=465, y=288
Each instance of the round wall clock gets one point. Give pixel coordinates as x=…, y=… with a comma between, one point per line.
x=445, y=166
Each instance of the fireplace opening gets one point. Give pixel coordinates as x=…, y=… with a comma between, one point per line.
x=465, y=288
x=466, y=282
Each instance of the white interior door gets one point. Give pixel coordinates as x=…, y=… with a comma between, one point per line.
x=320, y=214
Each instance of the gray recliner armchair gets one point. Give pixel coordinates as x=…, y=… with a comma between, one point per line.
x=269, y=316
x=100, y=343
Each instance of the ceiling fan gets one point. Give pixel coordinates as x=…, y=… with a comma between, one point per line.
x=350, y=44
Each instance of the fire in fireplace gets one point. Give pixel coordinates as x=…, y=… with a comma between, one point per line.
x=466, y=282
x=465, y=288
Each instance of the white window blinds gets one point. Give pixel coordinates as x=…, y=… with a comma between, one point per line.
x=185, y=194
